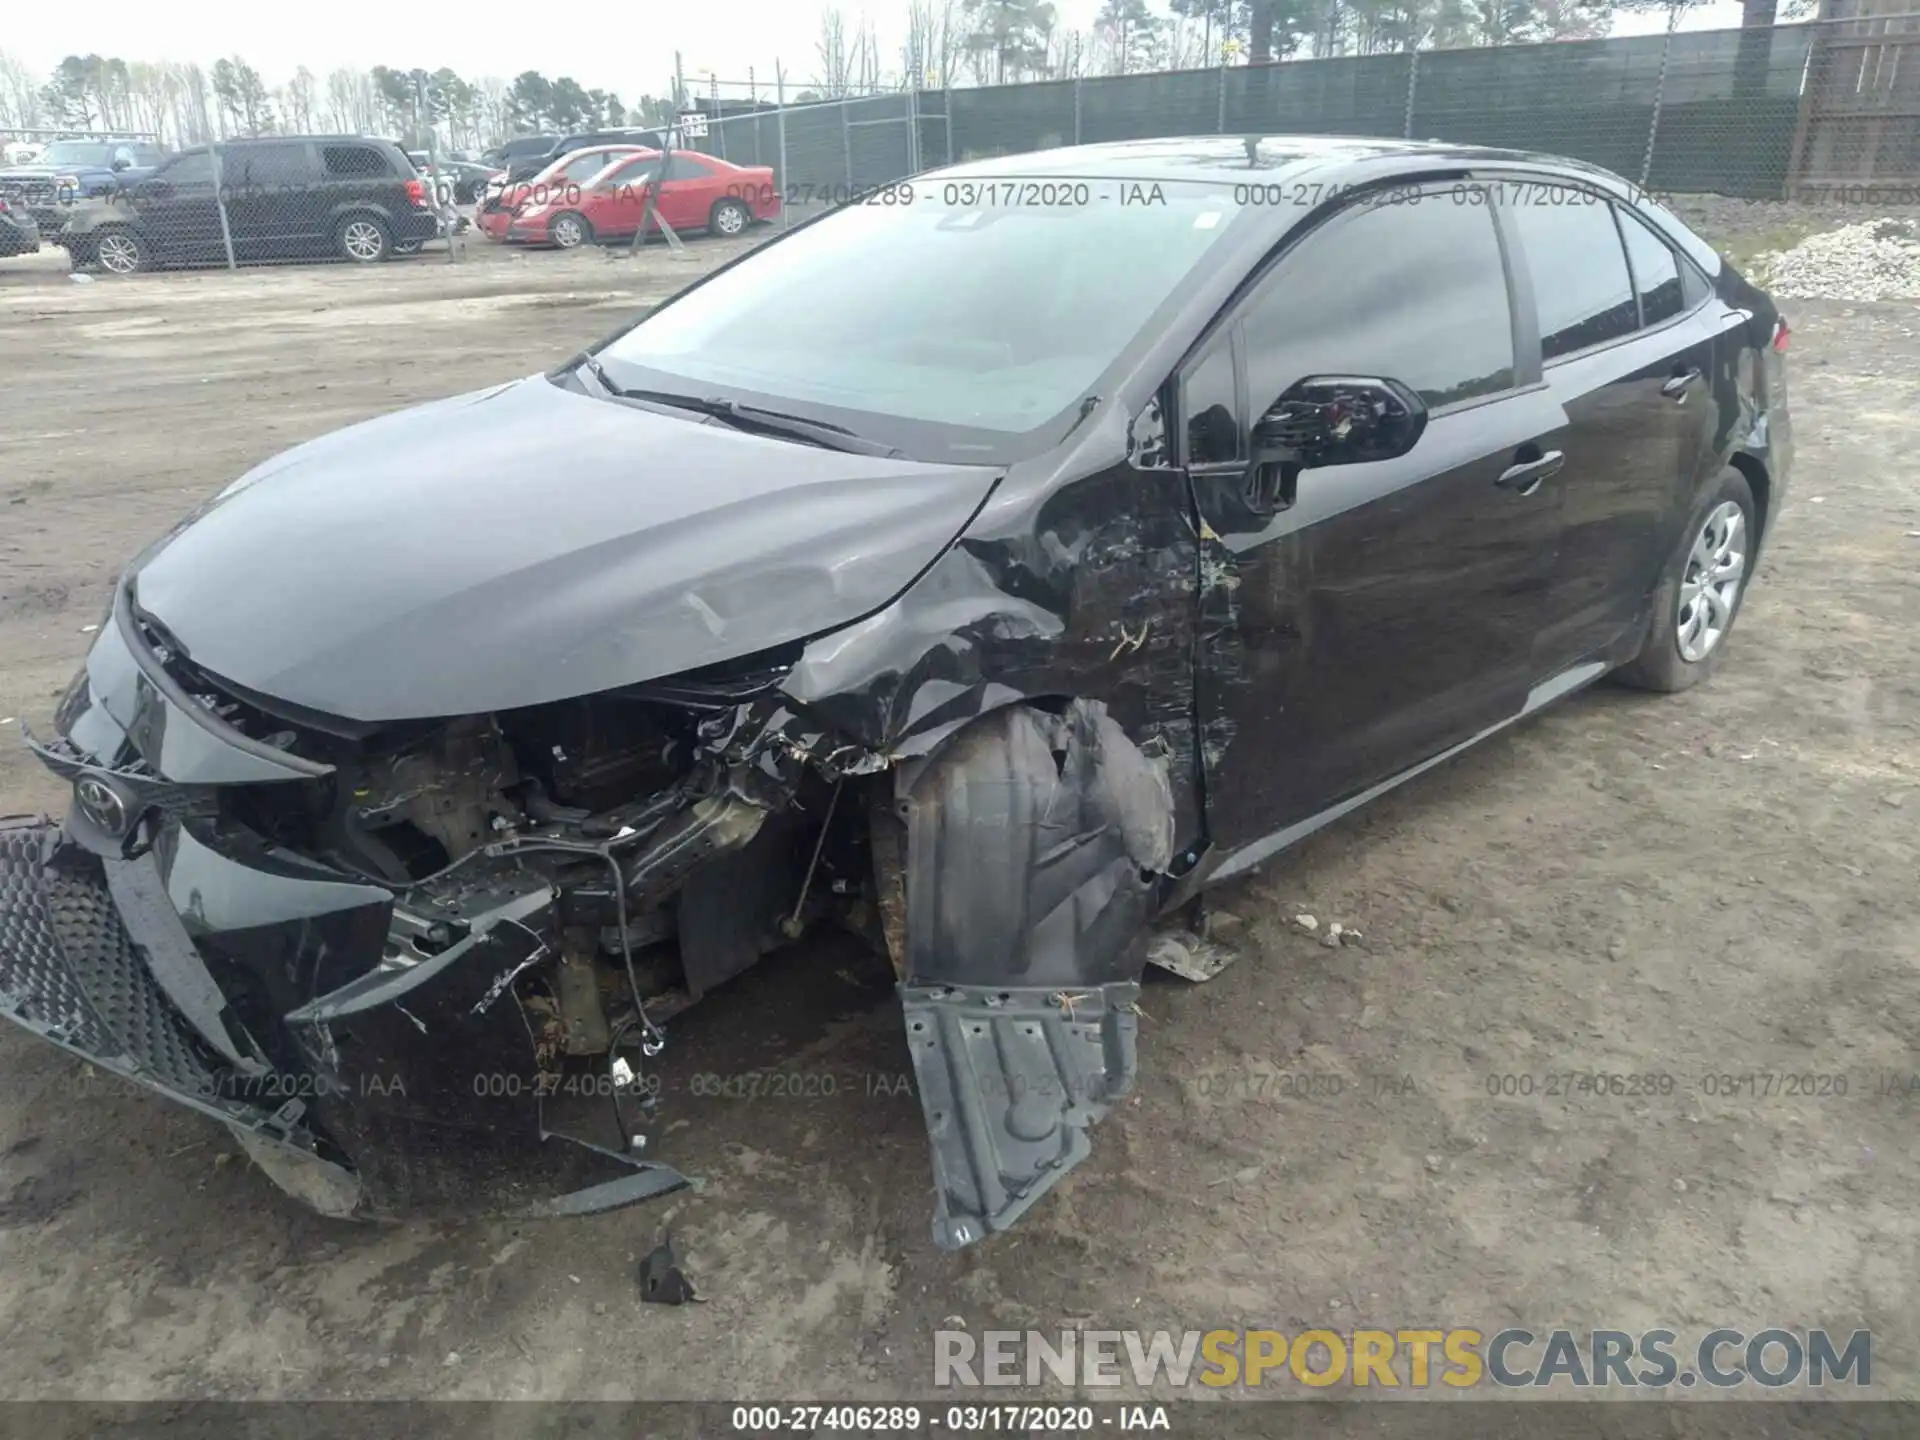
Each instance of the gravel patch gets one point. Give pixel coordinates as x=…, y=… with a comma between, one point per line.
x=1873, y=260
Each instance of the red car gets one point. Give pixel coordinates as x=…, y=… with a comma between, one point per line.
x=560, y=180
x=698, y=192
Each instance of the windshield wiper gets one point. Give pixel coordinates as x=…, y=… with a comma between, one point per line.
x=750, y=418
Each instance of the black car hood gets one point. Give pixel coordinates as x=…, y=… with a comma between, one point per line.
x=530, y=543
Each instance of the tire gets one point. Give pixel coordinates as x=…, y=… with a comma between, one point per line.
x=119, y=251
x=569, y=230
x=729, y=218
x=363, y=239
x=1690, y=623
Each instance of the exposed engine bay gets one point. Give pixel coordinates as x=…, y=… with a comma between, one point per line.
x=677, y=851
x=395, y=957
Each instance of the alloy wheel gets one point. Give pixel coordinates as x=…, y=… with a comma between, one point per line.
x=118, y=253
x=361, y=239
x=730, y=221
x=566, y=232
x=1710, y=587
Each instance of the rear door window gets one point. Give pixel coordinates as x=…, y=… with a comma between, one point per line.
x=1581, y=288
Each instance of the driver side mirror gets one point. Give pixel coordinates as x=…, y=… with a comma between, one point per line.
x=1340, y=420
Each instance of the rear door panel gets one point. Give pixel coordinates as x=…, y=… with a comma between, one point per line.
x=1632, y=367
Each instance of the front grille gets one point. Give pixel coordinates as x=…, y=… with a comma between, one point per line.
x=35, y=984
x=69, y=970
x=123, y=991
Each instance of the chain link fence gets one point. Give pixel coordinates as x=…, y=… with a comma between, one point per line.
x=1821, y=111
x=1780, y=112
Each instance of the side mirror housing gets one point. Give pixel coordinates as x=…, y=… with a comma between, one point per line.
x=1343, y=420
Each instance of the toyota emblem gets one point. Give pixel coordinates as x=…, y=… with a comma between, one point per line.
x=101, y=802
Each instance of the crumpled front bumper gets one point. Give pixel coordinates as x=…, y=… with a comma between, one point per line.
x=72, y=974
x=416, y=1095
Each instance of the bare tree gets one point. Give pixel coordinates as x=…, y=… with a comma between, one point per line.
x=836, y=66
x=865, y=77
x=20, y=105
x=490, y=106
x=1128, y=29
x=353, y=104
x=297, y=99
x=192, y=118
x=1069, y=54
x=934, y=43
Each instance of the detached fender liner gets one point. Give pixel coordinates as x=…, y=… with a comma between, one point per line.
x=1009, y=1085
x=1036, y=843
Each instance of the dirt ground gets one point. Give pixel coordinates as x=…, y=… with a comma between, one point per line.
x=1720, y=883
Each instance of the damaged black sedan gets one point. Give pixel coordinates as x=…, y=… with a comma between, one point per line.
x=989, y=565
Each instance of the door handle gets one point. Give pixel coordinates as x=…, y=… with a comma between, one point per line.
x=1526, y=476
x=1677, y=386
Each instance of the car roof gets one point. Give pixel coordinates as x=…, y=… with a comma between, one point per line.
x=1325, y=164
x=1240, y=159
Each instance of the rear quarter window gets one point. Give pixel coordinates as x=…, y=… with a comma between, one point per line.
x=354, y=162
x=1656, y=272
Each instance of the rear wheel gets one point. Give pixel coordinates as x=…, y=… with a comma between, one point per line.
x=730, y=217
x=569, y=230
x=363, y=239
x=1700, y=593
x=120, y=251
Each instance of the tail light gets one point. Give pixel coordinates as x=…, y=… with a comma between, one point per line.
x=417, y=192
x=1781, y=335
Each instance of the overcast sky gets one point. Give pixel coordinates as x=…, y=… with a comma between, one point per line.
x=629, y=52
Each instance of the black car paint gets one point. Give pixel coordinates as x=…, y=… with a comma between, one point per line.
x=473, y=593
x=1118, y=664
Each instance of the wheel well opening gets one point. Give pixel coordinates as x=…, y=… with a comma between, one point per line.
x=1756, y=477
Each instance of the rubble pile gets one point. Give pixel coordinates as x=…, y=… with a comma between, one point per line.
x=1873, y=260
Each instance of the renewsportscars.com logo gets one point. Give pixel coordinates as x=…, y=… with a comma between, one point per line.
x=1413, y=1359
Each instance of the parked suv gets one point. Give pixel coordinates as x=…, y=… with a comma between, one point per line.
x=69, y=171
x=286, y=197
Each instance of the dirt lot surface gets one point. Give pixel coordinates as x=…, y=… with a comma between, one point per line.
x=1718, y=884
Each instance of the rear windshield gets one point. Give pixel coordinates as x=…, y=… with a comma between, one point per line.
x=935, y=318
